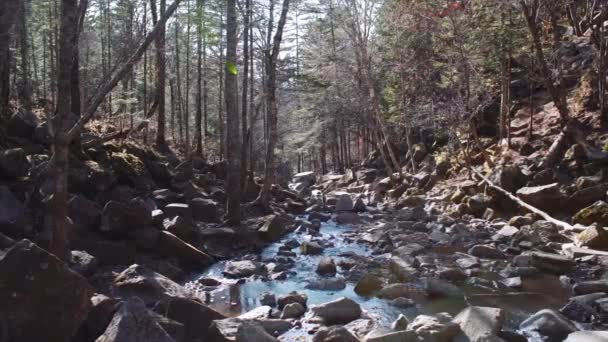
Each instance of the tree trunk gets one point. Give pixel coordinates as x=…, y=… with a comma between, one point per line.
x=26, y=89
x=199, y=79
x=233, y=144
x=244, y=99
x=221, y=90
x=271, y=102
x=161, y=141
x=8, y=8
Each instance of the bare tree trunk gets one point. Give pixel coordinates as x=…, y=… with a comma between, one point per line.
x=161, y=141
x=271, y=101
x=186, y=112
x=178, y=94
x=199, y=80
x=221, y=90
x=233, y=144
x=244, y=99
x=8, y=8
x=26, y=89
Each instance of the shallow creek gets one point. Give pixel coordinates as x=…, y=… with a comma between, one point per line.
x=234, y=297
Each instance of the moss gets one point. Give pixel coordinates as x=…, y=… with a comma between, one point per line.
x=597, y=213
x=128, y=165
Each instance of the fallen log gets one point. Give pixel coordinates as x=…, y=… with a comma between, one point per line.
x=523, y=204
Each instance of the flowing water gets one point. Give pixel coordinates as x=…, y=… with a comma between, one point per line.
x=234, y=297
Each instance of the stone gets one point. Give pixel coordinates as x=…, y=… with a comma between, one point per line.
x=326, y=267
x=596, y=213
x=253, y=332
x=344, y=202
x=410, y=249
x=100, y=315
x=452, y=274
x=509, y=177
x=548, y=323
x=226, y=330
x=587, y=336
x=182, y=210
x=133, y=323
x=241, y=269
x=331, y=284
x=310, y=248
x=393, y=291
x=402, y=302
x=307, y=177
x=149, y=286
x=106, y=251
x=195, y=317
x=435, y=328
x=273, y=229
x=118, y=219
x=172, y=246
x=587, y=196
x=400, y=323
x=552, y=263
x=513, y=282
x=12, y=213
x=339, y=311
x=293, y=297
x=543, y=197
x=347, y=217
x=360, y=327
x=368, y=285
x=315, y=215
x=520, y=221
x=205, y=210
x=179, y=226
x=590, y=286
x=419, y=152
x=507, y=231
x=41, y=299
x=22, y=124
x=85, y=214
x=593, y=237
x=468, y=262
x=334, y=334
x=14, y=163
x=486, y=252
x=480, y=323
x=293, y=310
x=578, y=311
x=401, y=268
x=440, y=288
x=359, y=205
x=83, y=263
x=381, y=335
x=268, y=299
x=130, y=169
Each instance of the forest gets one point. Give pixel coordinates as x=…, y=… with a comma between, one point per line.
x=303, y=170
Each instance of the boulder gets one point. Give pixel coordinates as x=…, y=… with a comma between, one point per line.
x=307, y=178
x=334, y=334
x=385, y=335
x=326, y=267
x=587, y=196
x=149, y=286
x=172, y=246
x=366, y=176
x=587, y=336
x=22, y=124
x=359, y=205
x=182, y=210
x=130, y=169
x=590, y=286
x=274, y=228
x=205, y=210
x=400, y=323
x=41, y=299
x=83, y=263
x=596, y=213
x=552, y=263
x=486, y=252
x=368, y=285
x=327, y=284
x=179, y=226
x=548, y=323
x=419, y=152
x=293, y=297
x=344, y=202
x=85, y=214
x=253, y=332
x=226, y=330
x=438, y=328
x=106, y=251
x=361, y=327
x=14, y=163
x=133, y=323
x=435, y=287
x=195, y=317
x=241, y=269
x=401, y=268
x=339, y=311
x=593, y=237
x=268, y=299
x=118, y=219
x=347, y=217
x=393, y=291
x=310, y=248
x=293, y=310
x=509, y=177
x=100, y=315
x=544, y=197
x=12, y=213
x=480, y=323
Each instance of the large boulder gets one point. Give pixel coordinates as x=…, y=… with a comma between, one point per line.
x=172, y=246
x=149, y=286
x=226, y=330
x=340, y=311
x=195, y=317
x=274, y=228
x=587, y=336
x=344, y=202
x=85, y=214
x=307, y=178
x=438, y=328
x=22, y=124
x=596, y=213
x=118, y=219
x=12, y=213
x=14, y=163
x=205, y=209
x=480, y=323
x=101, y=313
x=334, y=334
x=133, y=323
x=552, y=263
x=241, y=269
x=290, y=298
x=326, y=267
x=593, y=237
x=545, y=197
x=130, y=169
x=253, y=332
x=368, y=285
x=41, y=299
x=549, y=324
x=509, y=177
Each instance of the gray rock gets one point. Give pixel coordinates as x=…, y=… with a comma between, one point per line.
x=435, y=328
x=310, y=248
x=548, y=323
x=195, y=316
x=334, y=334
x=513, y=282
x=241, y=269
x=347, y=217
x=379, y=335
x=368, y=285
x=440, y=288
x=149, y=286
x=344, y=202
x=486, y=252
x=402, y=267
x=393, y=291
x=326, y=267
x=133, y=323
x=293, y=310
x=332, y=284
x=293, y=297
x=339, y=311
x=552, y=263
x=253, y=332
x=268, y=298
x=400, y=323
x=590, y=286
x=587, y=336
x=480, y=323
x=360, y=327
x=206, y=210
x=468, y=262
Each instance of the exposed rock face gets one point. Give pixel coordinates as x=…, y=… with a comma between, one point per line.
x=206, y=210
x=274, y=227
x=339, y=311
x=545, y=197
x=41, y=299
x=133, y=323
x=195, y=317
x=119, y=219
x=479, y=323
x=241, y=269
x=334, y=334
x=435, y=328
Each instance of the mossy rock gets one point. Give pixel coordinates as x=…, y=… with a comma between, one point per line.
x=596, y=213
x=131, y=169
x=586, y=97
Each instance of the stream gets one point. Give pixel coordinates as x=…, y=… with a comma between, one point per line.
x=235, y=297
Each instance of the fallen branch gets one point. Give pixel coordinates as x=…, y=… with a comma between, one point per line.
x=517, y=200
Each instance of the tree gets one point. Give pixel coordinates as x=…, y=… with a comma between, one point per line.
x=8, y=8
x=233, y=144
x=245, y=84
x=161, y=141
x=271, y=55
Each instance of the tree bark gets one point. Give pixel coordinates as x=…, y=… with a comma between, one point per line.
x=233, y=144
x=271, y=101
x=26, y=89
x=199, y=79
x=8, y=8
x=161, y=141
x=244, y=99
